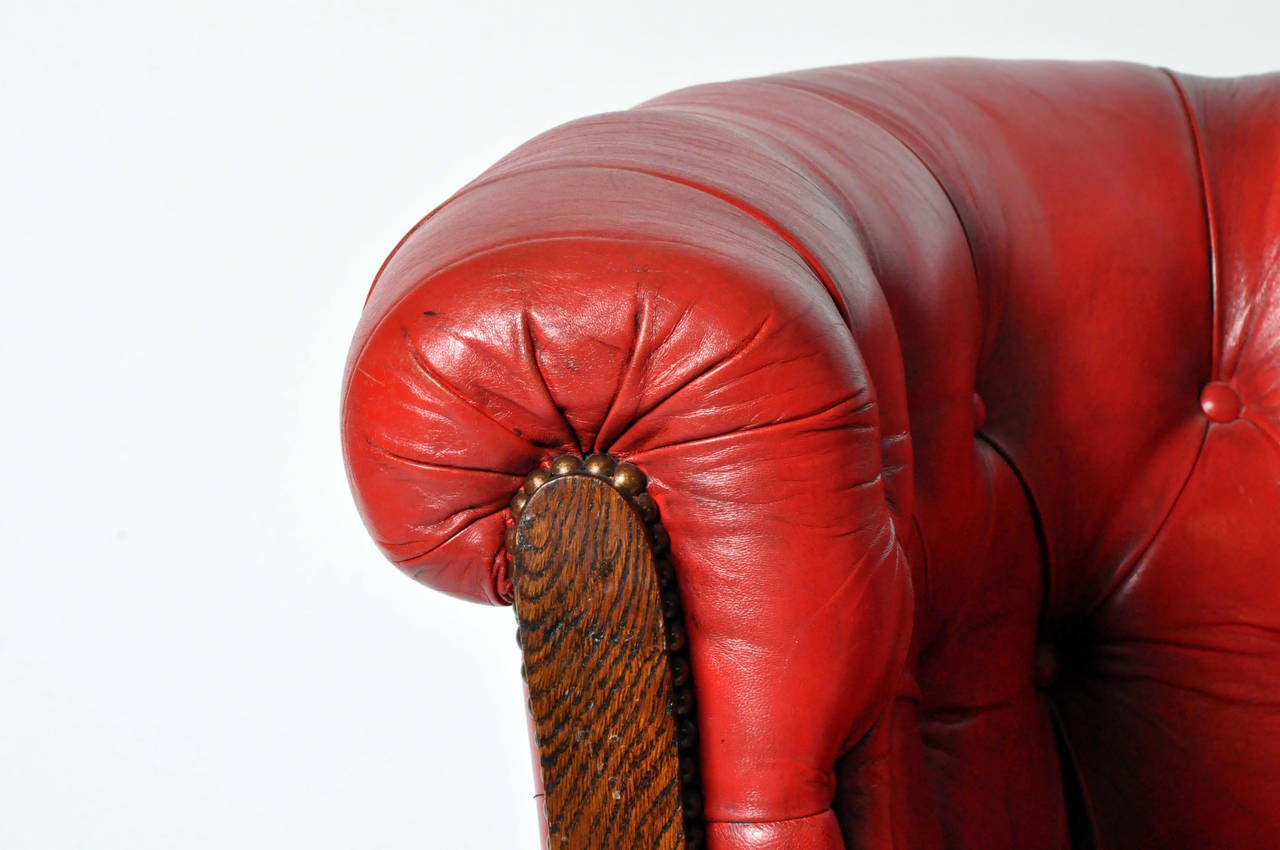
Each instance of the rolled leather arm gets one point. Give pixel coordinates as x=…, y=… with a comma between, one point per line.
x=608, y=289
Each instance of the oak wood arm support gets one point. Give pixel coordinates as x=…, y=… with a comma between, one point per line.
x=601, y=631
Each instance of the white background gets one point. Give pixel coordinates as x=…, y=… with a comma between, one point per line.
x=199, y=647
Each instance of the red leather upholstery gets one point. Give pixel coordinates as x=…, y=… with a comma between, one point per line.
x=958, y=386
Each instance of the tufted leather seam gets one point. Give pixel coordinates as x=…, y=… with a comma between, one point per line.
x=531, y=352
x=808, y=170
x=1211, y=226
x=810, y=261
x=1266, y=434
x=955, y=209
x=480, y=253
x=1133, y=564
x=840, y=202
x=424, y=368
x=770, y=822
x=741, y=124
x=639, y=330
x=1037, y=524
x=946, y=191
x=1081, y=829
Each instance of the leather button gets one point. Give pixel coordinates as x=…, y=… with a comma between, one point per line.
x=1220, y=402
x=979, y=412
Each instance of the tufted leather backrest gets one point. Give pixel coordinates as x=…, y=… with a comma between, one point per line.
x=1061, y=284
x=1120, y=329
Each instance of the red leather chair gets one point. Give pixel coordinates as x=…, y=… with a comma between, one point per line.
x=956, y=388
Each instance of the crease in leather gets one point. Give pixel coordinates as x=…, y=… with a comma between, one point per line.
x=754, y=431
x=785, y=820
x=1076, y=795
x=1132, y=563
x=1211, y=225
x=1037, y=523
x=531, y=354
x=807, y=170
x=356, y=355
x=641, y=313
x=428, y=372
x=875, y=121
x=1135, y=560
x=789, y=238
x=820, y=831
x=442, y=467
x=1138, y=553
x=755, y=128
x=467, y=526
x=740, y=123
x=745, y=344
x=1271, y=438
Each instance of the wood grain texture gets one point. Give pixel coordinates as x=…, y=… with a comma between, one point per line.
x=590, y=610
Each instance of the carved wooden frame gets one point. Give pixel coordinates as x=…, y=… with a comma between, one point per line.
x=602, y=634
